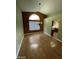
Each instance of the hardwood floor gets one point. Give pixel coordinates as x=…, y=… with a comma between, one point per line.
x=40, y=46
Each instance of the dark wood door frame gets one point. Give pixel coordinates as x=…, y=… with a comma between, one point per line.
x=26, y=15
x=52, y=29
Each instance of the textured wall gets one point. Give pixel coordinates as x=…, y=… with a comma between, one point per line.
x=48, y=24
x=19, y=29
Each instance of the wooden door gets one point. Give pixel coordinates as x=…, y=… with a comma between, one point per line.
x=30, y=25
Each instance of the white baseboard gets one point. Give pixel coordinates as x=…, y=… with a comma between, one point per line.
x=50, y=36
x=47, y=34
x=59, y=40
x=19, y=47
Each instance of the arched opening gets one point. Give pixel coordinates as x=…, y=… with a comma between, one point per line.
x=34, y=17
x=34, y=22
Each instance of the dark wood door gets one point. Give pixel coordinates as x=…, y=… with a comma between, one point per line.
x=28, y=23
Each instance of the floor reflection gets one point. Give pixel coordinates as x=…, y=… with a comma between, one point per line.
x=34, y=39
x=52, y=44
x=34, y=45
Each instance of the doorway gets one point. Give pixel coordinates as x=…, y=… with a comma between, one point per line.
x=55, y=27
x=33, y=22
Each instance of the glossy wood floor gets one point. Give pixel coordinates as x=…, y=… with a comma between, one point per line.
x=40, y=46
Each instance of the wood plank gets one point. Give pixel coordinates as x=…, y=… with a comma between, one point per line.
x=42, y=49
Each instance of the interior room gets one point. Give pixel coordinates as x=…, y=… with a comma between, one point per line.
x=39, y=29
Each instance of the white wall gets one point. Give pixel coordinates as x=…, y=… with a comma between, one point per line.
x=19, y=29
x=48, y=24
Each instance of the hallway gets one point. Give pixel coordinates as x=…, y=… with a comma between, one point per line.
x=40, y=46
x=37, y=16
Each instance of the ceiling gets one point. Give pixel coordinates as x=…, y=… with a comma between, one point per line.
x=47, y=7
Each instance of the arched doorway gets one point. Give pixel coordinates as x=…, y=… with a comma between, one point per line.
x=34, y=22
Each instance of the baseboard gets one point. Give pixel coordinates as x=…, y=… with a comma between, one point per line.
x=19, y=47
x=47, y=34
x=32, y=33
x=50, y=36
x=59, y=40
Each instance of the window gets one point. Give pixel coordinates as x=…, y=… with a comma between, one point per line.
x=34, y=17
x=34, y=22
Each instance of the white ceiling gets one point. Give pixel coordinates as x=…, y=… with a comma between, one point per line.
x=47, y=7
